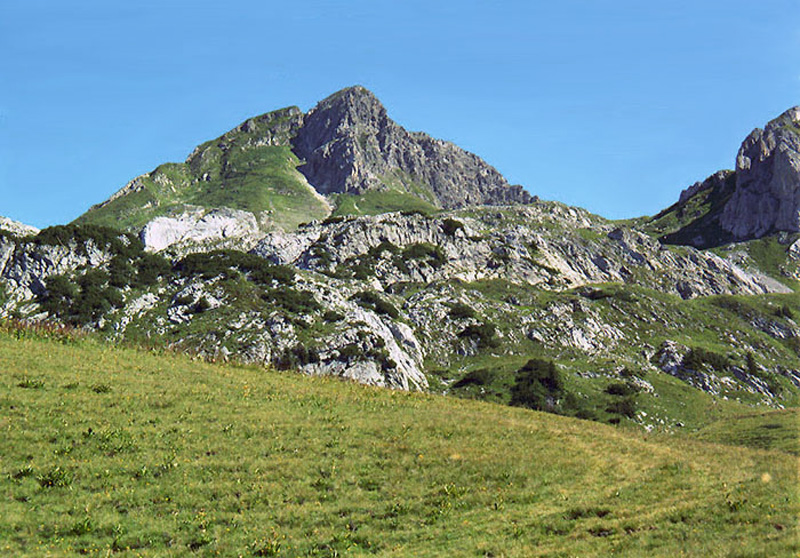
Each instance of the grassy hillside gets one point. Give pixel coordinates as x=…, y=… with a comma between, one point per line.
x=251, y=168
x=112, y=449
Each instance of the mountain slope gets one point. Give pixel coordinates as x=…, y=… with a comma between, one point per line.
x=279, y=165
x=419, y=302
x=111, y=450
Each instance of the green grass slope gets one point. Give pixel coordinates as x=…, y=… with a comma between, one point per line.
x=240, y=170
x=111, y=451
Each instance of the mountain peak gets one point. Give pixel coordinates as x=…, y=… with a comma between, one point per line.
x=350, y=145
x=346, y=145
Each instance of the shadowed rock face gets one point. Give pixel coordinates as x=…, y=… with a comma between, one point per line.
x=767, y=195
x=350, y=145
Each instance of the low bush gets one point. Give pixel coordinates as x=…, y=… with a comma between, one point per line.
x=293, y=301
x=124, y=244
x=479, y=377
x=461, y=311
x=621, y=389
x=425, y=252
x=450, y=226
x=785, y=312
x=332, y=316
x=537, y=385
x=485, y=334
x=297, y=356
x=372, y=301
x=625, y=406
x=149, y=267
x=698, y=356
x=229, y=263
x=80, y=302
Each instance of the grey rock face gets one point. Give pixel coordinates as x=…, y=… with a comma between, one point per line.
x=512, y=246
x=24, y=267
x=767, y=195
x=350, y=145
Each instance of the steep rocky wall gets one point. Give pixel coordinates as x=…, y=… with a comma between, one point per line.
x=767, y=195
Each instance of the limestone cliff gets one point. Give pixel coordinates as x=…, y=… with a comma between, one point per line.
x=767, y=195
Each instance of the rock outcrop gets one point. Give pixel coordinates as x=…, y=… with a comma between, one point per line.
x=761, y=197
x=16, y=228
x=767, y=195
x=284, y=163
x=196, y=228
x=509, y=245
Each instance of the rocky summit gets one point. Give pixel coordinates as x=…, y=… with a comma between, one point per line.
x=335, y=242
x=350, y=145
x=767, y=194
x=760, y=197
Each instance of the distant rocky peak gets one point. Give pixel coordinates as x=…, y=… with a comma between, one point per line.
x=349, y=107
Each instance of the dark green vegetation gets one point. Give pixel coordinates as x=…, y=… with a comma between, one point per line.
x=87, y=295
x=136, y=454
x=202, y=304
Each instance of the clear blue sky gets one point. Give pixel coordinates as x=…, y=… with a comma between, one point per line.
x=613, y=106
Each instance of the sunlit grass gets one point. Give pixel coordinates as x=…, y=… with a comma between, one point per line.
x=110, y=450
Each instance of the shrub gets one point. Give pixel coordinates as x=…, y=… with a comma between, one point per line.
x=228, y=263
x=333, y=219
x=479, y=377
x=58, y=297
x=372, y=301
x=82, y=301
x=621, y=389
x=150, y=267
x=450, y=226
x=628, y=373
x=125, y=244
x=332, y=316
x=697, y=357
x=461, y=311
x=384, y=246
x=484, y=334
x=537, y=385
x=120, y=272
x=425, y=252
x=297, y=356
x=293, y=301
x=202, y=305
x=625, y=406
x=752, y=366
x=785, y=312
